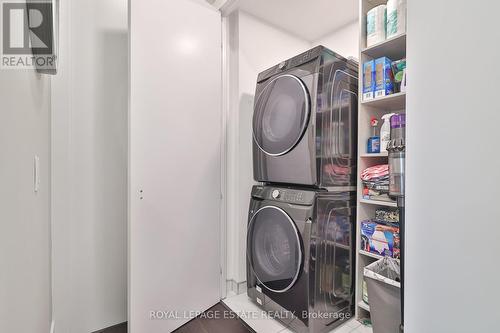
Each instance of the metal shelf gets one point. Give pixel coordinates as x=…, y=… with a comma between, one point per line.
x=393, y=48
x=364, y=306
x=369, y=254
x=339, y=245
x=366, y=155
x=379, y=202
x=394, y=102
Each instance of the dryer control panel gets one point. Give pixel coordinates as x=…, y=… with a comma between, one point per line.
x=296, y=61
x=305, y=57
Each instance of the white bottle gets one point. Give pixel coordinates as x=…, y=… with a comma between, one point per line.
x=385, y=132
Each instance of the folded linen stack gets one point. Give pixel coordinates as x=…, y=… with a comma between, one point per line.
x=375, y=181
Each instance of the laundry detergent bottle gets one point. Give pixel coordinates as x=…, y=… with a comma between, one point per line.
x=385, y=132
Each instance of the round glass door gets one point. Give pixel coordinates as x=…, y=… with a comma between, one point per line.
x=281, y=115
x=274, y=249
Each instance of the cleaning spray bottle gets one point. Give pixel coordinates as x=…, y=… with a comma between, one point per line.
x=374, y=140
x=385, y=132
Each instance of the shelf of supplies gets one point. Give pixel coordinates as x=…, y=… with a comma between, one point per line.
x=366, y=155
x=379, y=202
x=393, y=102
x=364, y=306
x=393, y=48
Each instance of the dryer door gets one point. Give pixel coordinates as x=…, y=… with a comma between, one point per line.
x=274, y=249
x=281, y=115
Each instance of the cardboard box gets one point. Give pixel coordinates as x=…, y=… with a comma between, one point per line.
x=384, y=78
x=369, y=80
x=380, y=239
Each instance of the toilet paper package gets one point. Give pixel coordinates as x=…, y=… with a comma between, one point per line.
x=376, y=25
x=396, y=17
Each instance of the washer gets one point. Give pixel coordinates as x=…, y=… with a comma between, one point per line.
x=300, y=256
x=305, y=121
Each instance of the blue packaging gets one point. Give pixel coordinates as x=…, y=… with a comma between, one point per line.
x=380, y=239
x=369, y=80
x=384, y=78
x=374, y=145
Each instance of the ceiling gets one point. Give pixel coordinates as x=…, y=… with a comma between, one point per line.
x=308, y=19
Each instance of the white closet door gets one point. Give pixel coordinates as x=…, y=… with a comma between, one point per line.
x=175, y=142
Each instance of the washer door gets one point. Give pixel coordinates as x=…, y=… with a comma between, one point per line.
x=274, y=249
x=281, y=115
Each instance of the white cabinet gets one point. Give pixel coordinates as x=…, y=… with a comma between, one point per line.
x=175, y=162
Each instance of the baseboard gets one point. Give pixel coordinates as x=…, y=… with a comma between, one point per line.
x=236, y=287
x=53, y=327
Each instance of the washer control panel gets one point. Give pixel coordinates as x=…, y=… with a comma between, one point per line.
x=293, y=196
x=286, y=195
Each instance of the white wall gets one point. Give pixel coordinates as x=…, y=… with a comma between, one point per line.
x=25, y=286
x=89, y=131
x=344, y=41
x=452, y=167
x=257, y=47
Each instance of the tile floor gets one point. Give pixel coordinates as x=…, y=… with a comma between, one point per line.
x=215, y=320
x=263, y=324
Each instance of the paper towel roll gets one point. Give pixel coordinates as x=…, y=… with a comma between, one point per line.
x=396, y=17
x=376, y=25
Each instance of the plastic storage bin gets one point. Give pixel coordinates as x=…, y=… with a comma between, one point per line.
x=384, y=291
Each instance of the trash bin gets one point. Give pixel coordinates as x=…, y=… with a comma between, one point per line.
x=384, y=292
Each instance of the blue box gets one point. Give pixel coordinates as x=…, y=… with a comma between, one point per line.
x=369, y=80
x=384, y=78
x=380, y=239
x=373, y=145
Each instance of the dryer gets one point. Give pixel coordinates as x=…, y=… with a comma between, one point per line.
x=300, y=256
x=305, y=121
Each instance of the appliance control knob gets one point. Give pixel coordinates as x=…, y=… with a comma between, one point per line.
x=282, y=65
x=276, y=194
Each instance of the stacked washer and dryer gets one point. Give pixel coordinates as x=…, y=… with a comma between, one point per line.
x=301, y=224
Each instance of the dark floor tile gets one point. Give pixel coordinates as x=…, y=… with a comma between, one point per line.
x=121, y=328
x=217, y=319
x=194, y=326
